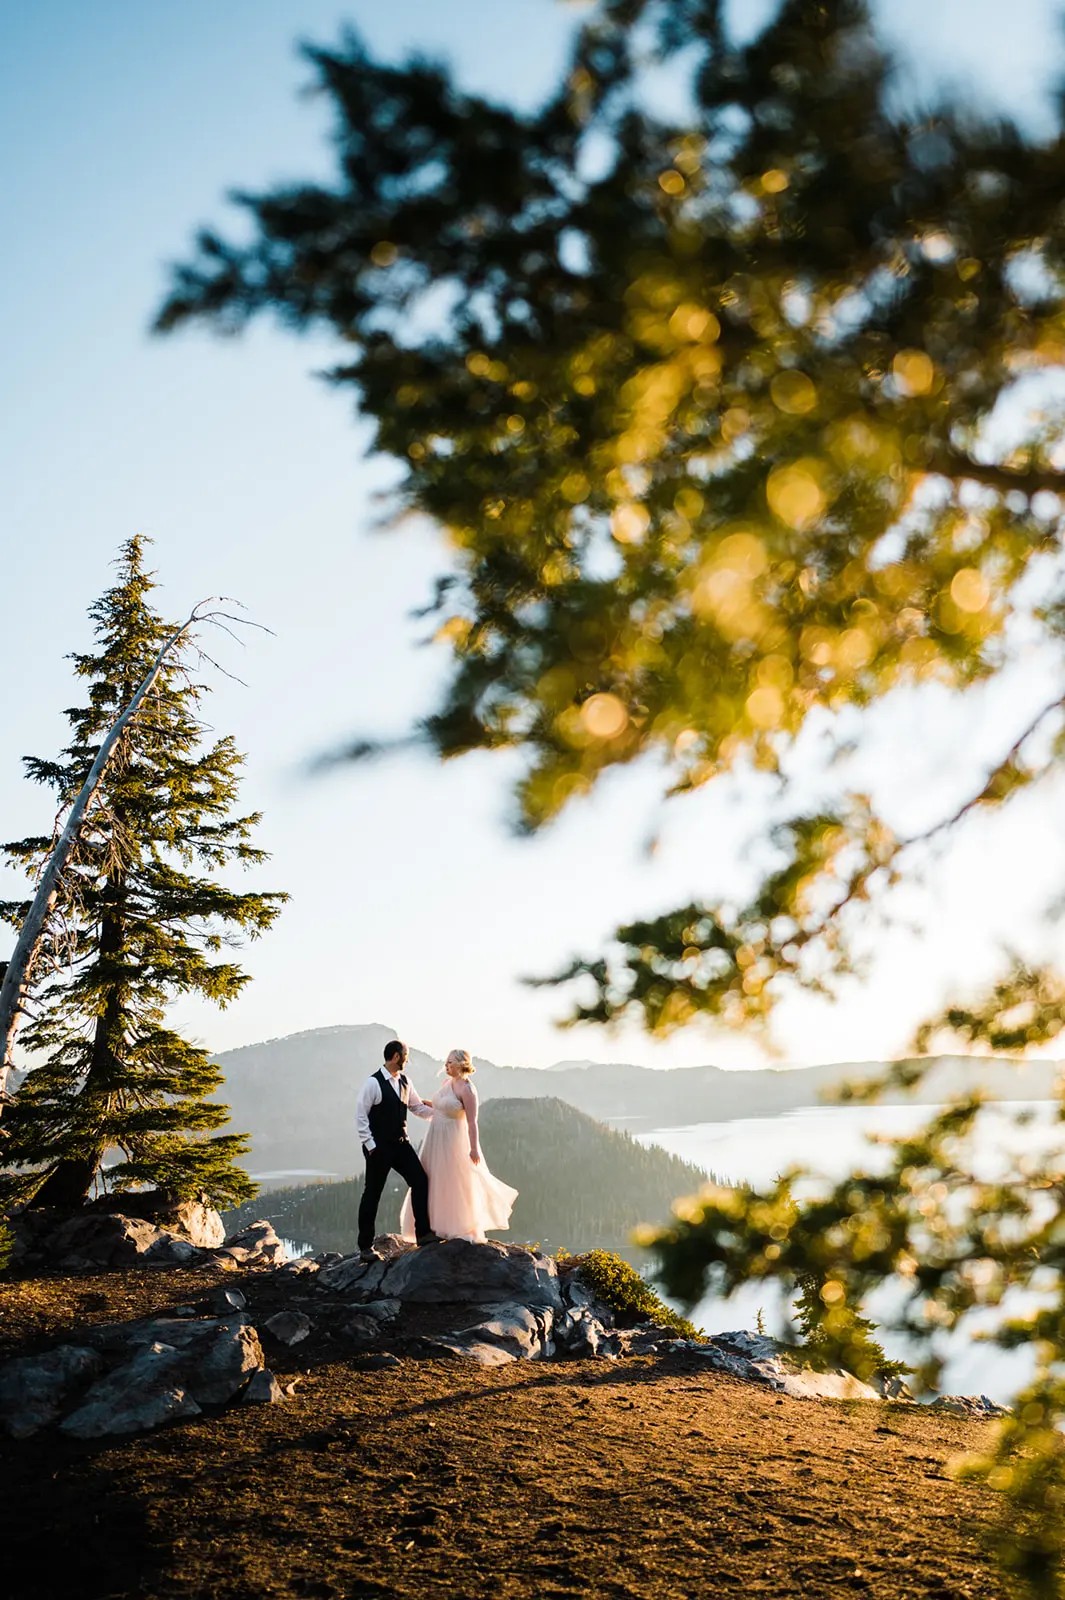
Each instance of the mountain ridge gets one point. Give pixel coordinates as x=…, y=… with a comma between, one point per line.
x=295, y=1094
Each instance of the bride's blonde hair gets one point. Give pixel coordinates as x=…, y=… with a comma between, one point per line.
x=461, y=1059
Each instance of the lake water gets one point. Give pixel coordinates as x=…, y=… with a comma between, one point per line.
x=834, y=1140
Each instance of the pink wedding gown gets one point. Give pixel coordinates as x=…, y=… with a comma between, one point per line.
x=464, y=1199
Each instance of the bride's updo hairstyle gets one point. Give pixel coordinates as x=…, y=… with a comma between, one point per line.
x=461, y=1059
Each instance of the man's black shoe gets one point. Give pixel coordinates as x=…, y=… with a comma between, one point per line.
x=370, y=1254
x=429, y=1238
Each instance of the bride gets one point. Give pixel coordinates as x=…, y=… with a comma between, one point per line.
x=464, y=1197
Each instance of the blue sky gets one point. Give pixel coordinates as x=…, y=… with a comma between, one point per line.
x=123, y=125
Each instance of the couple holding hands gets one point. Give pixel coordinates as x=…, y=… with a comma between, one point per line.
x=452, y=1194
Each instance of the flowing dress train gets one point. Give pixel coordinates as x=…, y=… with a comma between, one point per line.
x=465, y=1199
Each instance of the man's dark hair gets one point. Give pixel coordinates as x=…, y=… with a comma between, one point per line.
x=394, y=1047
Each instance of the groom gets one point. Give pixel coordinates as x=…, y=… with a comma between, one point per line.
x=381, y=1121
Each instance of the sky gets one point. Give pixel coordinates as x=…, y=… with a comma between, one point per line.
x=413, y=903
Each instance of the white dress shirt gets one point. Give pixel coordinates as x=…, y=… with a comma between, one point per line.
x=370, y=1095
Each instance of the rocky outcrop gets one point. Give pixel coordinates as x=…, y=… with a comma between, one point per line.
x=491, y=1304
x=172, y=1367
x=755, y=1358
x=132, y=1230
x=978, y=1407
x=34, y=1390
x=129, y=1377
x=451, y=1272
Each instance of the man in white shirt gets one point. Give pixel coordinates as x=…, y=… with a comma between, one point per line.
x=381, y=1122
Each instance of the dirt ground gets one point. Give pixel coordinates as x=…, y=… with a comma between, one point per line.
x=642, y=1478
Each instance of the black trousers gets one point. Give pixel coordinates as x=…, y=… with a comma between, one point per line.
x=400, y=1156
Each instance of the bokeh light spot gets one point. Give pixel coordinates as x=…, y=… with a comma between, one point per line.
x=969, y=590
x=604, y=716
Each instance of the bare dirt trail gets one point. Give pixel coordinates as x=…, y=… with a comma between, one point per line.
x=642, y=1478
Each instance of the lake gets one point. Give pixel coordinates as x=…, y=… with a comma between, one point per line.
x=834, y=1140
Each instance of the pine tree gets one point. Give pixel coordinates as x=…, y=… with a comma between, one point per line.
x=144, y=913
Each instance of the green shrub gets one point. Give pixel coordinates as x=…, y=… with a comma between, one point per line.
x=6, y=1246
x=628, y=1295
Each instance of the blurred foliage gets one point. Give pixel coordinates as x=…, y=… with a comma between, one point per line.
x=704, y=408
x=735, y=417
x=869, y=1358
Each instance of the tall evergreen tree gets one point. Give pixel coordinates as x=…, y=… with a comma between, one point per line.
x=142, y=918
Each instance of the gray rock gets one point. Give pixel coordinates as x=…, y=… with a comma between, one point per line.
x=512, y=1327
x=324, y=1258
x=225, y=1301
x=178, y=1252
x=141, y=1394
x=470, y=1348
x=375, y=1363
x=34, y=1390
x=755, y=1358
x=122, y=1337
x=262, y=1389
x=648, y=1338
x=288, y=1327
x=363, y=1329
x=979, y=1407
x=257, y=1243
x=106, y=1240
x=381, y=1310
x=579, y=1334
x=391, y=1245
x=197, y=1363
x=352, y=1276
x=473, y=1274
x=575, y=1293
x=301, y=1267
x=217, y=1366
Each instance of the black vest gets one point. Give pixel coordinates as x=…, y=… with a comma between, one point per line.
x=388, y=1121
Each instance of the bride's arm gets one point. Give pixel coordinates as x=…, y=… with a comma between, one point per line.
x=467, y=1097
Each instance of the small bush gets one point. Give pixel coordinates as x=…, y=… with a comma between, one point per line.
x=628, y=1295
x=6, y=1246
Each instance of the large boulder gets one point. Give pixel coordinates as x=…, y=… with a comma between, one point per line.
x=579, y=1334
x=117, y=1231
x=255, y=1245
x=523, y=1333
x=173, y=1367
x=35, y=1390
x=471, y=1274
x=142, y=1393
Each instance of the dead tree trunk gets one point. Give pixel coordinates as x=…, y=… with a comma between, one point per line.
x=19, y=972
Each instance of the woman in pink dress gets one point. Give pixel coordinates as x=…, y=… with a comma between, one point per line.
x=465, y=1199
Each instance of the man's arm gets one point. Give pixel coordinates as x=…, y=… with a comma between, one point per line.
x=415, y=1103
x=369, y=1095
